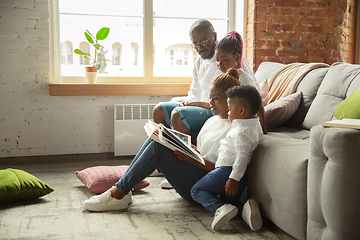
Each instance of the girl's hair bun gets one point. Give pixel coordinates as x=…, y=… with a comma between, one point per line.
x=233, y=72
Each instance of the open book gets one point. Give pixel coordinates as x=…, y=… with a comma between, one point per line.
x=343, y=123
x=172, y=139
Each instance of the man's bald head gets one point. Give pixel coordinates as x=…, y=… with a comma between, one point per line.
x=201, y=25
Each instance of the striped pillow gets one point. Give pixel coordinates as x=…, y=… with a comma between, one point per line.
x=281, y=110
x=264, y=86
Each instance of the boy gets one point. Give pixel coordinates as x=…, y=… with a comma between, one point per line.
x=220, y=190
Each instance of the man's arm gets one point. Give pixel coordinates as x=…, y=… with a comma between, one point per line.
x=194, y=93
x=199, y=104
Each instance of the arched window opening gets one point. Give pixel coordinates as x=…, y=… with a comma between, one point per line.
x=66, y=53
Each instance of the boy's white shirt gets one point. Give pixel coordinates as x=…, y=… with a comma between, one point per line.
x=204, y=73
x=208, y=140
x=236, y=148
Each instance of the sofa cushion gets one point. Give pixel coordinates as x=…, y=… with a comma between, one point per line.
x=295, y=133
x=277, y=180
x=308, y=86
x=266, y=69
x=332, y=91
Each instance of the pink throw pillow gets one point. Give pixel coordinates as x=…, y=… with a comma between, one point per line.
x=280, y=111
x=99, y=179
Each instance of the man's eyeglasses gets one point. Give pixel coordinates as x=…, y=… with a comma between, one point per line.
x=203, y=43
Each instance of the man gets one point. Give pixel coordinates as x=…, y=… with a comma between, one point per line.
x=190, y=115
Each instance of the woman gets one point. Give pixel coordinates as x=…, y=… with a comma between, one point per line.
x=181, y=171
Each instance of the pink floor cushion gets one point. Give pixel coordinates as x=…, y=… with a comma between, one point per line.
x=101, y=178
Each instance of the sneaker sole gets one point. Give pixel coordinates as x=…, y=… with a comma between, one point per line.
x=252, y=215
x=129, y=198
x=223, y=221
x=94, y=208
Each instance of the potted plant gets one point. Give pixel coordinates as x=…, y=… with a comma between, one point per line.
x=91, y=71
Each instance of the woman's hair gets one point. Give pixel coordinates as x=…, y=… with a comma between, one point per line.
x=233, y=44
x=227, y=80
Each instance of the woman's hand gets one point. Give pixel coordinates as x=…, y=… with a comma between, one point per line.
x=231, y=187
x=194, y=147
x=184, y=103
x=186, y=158
x=208, y=167
x=194, y=104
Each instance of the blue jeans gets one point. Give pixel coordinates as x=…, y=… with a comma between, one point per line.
x=192, y=117
x=181, y=175
x=210, y=190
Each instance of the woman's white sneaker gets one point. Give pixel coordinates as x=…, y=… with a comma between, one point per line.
x=251, y=215
x=105, y=202
x=223, y=215
x=165, y=184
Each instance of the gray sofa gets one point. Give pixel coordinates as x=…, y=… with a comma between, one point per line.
x=305, y=177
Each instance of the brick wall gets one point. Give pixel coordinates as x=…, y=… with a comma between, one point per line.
x=289, y=31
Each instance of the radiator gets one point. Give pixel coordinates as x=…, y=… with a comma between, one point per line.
x=129, y=121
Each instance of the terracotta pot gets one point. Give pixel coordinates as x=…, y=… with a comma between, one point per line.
x=91, y=74
x=90, y=69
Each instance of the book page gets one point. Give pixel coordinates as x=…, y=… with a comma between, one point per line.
x=186, y=138
x=171, y=140
x=344, y=123
x=183, y=147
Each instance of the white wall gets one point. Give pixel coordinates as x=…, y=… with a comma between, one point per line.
x=32, y=122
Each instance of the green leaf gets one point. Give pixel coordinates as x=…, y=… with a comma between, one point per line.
x=97, y=66
x=102, y=33
x=86, y=57
x=104, y=60
x=89, y=38
x=97, y=46
x=78, y=51
x=90, y=34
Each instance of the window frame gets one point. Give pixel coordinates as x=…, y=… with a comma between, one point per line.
x=236, y=15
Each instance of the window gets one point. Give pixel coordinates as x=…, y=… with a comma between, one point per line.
x=179, y=55
x=178, y=59
x=134, y=53
x=116, y=54
x=137, y=29
x=66, y=53
x=84, y=46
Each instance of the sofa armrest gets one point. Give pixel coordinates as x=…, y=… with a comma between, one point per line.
x=334, y=184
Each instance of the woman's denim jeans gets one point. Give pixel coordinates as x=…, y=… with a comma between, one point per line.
x=181, y=175
x=210, y=190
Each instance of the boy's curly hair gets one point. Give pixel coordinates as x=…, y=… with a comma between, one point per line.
x=245, y=95
x=227, y=80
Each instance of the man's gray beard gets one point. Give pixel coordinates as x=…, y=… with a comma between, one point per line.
x=211, y=55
